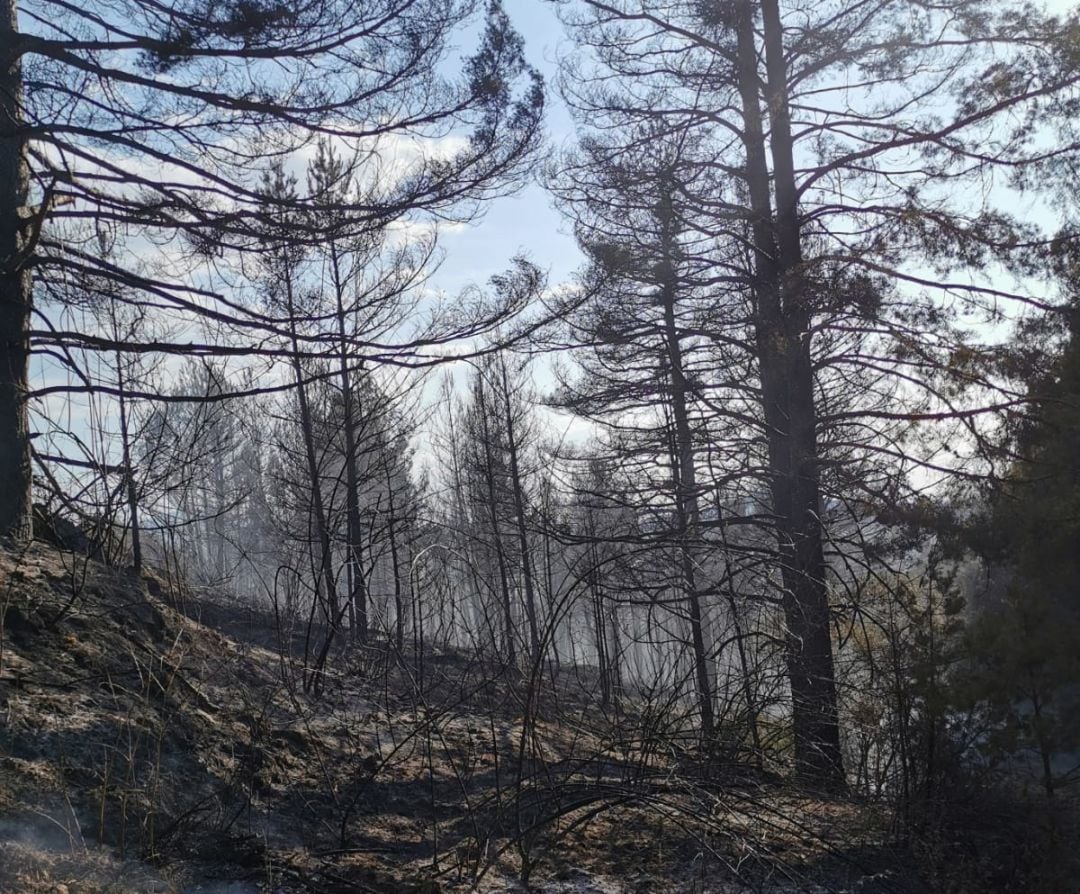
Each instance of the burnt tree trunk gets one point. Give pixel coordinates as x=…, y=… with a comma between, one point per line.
x=684, y=471
x=395, y=560
x=358, y=596
x=509, y=644
x=783, y=324
x=324, y=576
x=513, y=450
x=16, y=520
x=128, y=472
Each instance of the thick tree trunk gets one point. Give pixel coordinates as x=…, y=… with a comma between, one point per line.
x=787, y=382
x=16, y=520
x=797, y=487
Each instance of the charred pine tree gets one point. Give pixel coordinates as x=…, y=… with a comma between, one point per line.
x=16, y=301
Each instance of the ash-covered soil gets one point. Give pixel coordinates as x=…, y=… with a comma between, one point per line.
x=153, y=740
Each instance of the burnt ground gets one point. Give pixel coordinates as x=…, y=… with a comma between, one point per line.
x=154, y=741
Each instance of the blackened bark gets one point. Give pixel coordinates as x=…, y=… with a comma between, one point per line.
x=129, y=472
x=324, y=577
x=596, y=591
x=509, y=644
x=358, y=601
x=513, y=451
x=16, y=520
x=684, y=471
x=787, y=382
x=399, y=603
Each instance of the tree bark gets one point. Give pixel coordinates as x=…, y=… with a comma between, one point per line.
x=16, y=480
x=513, y=450
x=325, y=574
x=787, y=382
x=684, y=472
x=129, y=473
x=358, y=600
x=597, y=592
x=496, y=529
x=399, y=604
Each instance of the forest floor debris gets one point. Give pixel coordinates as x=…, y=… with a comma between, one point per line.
x=141, y=749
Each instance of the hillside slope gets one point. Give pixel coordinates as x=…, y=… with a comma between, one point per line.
x=141, y=749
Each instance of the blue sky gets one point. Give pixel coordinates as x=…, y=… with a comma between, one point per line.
x=525, y=223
